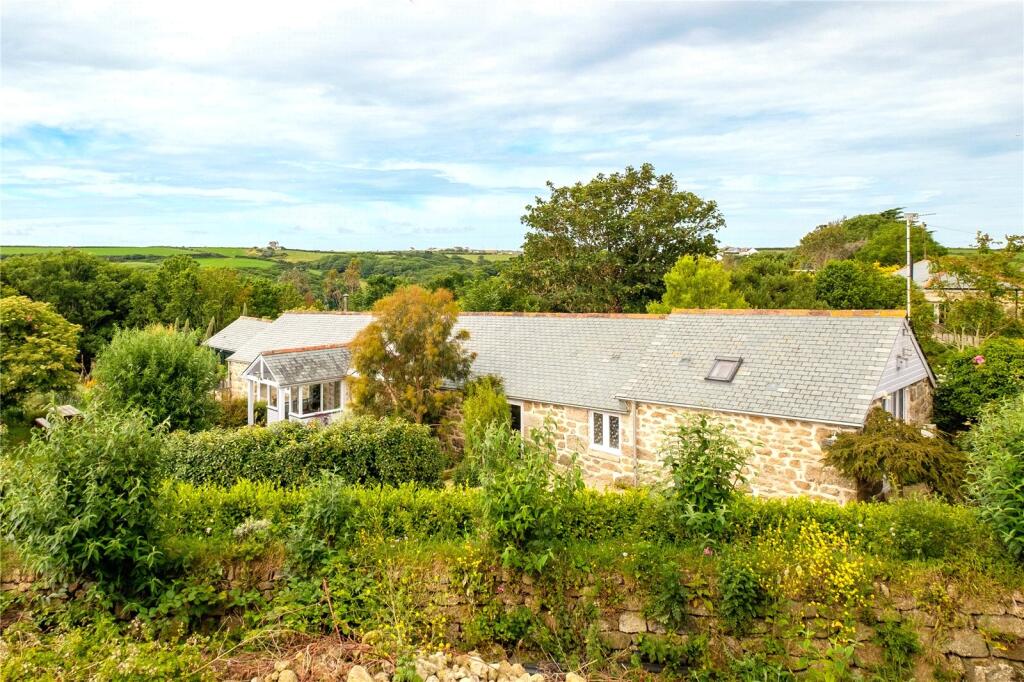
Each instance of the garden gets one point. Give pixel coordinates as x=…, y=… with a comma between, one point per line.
x=132, y=553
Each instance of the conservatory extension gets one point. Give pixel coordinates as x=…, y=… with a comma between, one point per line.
x=300, y=384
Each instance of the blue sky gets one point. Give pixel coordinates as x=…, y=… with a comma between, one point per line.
x=403, y=123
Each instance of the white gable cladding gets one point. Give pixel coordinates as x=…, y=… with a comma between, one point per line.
x=906, y=365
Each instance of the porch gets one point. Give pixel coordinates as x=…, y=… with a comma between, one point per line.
x=303, y=384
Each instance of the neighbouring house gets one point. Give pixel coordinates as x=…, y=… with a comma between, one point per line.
x=613, y=385
x=939, y=287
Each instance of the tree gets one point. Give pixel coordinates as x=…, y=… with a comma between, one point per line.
x=888, y=245
x=485, y=407
x=377, y=287
x=996, y=446
x=976, y=377
x=852, y=285
x=406, y=355
x=697, y=282
x=353, y=276
x=769, y=280
x=174, y=294
x=92, y=293
x=269, y=299
x=890, y=452
x=38, y=349
x=496, y=294
x=332, y=288
x=827, y=242
x=163, y=372
x=604, y=246
x=79, y=501
x=973, y=319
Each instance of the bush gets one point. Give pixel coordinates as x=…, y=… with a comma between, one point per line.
x=484, y=406
x=38, y=350
x=996, y=446
x=705, y=463
x=360, y=449
x=163, y=372
x=78, y=500
x=232, y=413
x=525, y=497
x=742, y=596
x=976, y=377
x=890, y=451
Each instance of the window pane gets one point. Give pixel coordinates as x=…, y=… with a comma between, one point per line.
x=517, y=417
x=337, y=395
x=311, y=398
x=295, y=399
x=272, y=402
x=598, y=428
x=613, y=431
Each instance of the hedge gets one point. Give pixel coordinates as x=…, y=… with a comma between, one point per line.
x=360, y=449
x=905, y=529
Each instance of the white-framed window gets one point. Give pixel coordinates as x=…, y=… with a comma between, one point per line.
x=605, y=431
x=272, y=397
x=896, y=404
x=516, y=414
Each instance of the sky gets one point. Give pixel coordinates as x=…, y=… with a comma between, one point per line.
x=397, y=123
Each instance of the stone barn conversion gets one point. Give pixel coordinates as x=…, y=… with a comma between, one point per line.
x=612, y=385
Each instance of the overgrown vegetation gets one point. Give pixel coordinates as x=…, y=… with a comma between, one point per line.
x=163, y=372
x=890, y=454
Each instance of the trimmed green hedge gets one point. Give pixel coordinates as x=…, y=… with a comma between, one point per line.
x=359, y=449
x=905, y=529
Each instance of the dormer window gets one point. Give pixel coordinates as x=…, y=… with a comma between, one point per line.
x=724, y=369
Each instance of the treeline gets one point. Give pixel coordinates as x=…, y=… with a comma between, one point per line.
x=100, y=296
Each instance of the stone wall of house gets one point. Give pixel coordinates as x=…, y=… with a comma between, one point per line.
x=234, y=381
x=919, y=402
x=786, y=455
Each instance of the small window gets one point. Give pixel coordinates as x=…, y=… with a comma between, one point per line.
x=516, y=413
x=272, y=398
x=295, y=399
x=724, y=369
x=604, y=431
x=896, y=404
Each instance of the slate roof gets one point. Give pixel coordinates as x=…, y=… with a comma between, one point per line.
x=231, y=337
x=812, y=365
x=308, y=365
x=570, y=360
x=300, y=329
x=819, y=367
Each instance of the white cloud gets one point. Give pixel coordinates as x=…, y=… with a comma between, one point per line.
x=450, y=116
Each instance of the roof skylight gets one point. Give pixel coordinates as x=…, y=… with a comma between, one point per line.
x=724, y=369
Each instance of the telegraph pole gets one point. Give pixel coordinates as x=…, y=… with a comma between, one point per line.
x=911, y=219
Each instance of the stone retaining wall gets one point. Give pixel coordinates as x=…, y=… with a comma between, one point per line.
x=970, y=639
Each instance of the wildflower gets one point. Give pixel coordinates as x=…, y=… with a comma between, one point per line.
x=979, y=359
x=708, y=551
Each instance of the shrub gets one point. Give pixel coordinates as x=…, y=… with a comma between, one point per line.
x=360, y=449
x=38, y=349
x=900, y=644
x=890, y=451
x=324, y=521
x=485, y=405
x=996, y=445
x=705, y=463
x=976, y=377
x=78, y=500
x=525, y=497
x=742, y=595
x=164, y=372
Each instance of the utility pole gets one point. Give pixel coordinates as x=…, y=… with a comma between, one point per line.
x=911, y=218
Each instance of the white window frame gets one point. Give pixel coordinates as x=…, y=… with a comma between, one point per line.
x=896, y=403
x=605, y=431
x=519, y=404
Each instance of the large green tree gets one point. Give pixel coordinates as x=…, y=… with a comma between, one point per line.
x=853, y=285
x=404, y=358
x=772, y=280
x=605, y=245
x=697, y=282
x=85, y=290
x=871, y=237
x=975, y=378
x=38, y=349
x=164, y=372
